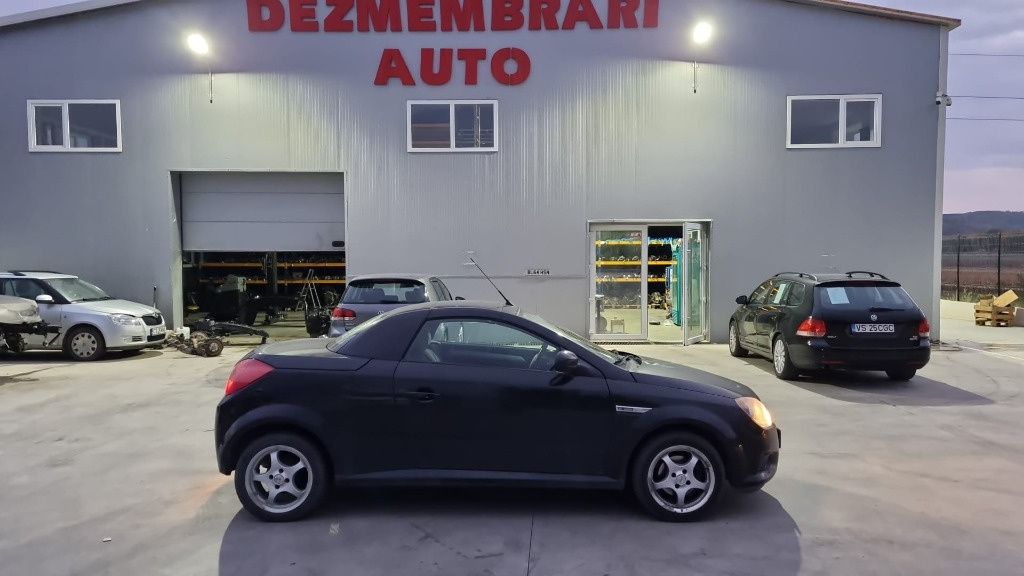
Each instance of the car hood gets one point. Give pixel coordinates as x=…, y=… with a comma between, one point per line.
x=115, y=307
x=670, y=375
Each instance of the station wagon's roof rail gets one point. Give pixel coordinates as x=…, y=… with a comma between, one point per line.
x=800, y=274
x=871, y=274
x=24, y=272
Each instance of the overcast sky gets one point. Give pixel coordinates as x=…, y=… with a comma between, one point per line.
x=984, y=160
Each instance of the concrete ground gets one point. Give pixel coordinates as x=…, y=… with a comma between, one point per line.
x=920, y=478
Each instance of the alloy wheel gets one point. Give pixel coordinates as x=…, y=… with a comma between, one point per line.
x=681, y=479
x=779, y=356
x=278, y=479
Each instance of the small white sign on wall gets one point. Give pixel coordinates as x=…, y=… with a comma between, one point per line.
x=538, y=272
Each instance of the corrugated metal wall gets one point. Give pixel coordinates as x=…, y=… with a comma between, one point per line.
x=607, y=127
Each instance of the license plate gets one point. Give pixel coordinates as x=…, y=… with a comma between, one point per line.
x=874, y=328
x=158, y=331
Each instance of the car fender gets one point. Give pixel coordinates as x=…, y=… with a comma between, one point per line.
x=266, y=420
x=700, y=420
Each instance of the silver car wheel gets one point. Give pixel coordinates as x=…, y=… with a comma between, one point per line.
x=84, y=344
x=733, y=338
x=681, y=479
x=278, y=479
x=779, y=356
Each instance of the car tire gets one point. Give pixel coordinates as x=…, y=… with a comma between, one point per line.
x=84, y=344
x=296, y=490
x=901, y=374
x=694, y=461
x=735, y=348
x=784, y=369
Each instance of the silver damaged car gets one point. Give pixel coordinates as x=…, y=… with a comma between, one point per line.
x=91, y=322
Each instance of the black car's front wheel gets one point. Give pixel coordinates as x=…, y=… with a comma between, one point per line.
x=678, y=477
x=281, y=477
x=735, y=348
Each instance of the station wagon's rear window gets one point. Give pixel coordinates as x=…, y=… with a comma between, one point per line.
x=863, y=296
x=386, y=291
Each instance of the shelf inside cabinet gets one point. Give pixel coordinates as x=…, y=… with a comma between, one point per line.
x=633, y=263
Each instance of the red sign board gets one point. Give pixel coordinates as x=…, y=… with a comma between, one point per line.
x=436, y=66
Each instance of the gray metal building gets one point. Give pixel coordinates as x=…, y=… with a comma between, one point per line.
x=570, y=145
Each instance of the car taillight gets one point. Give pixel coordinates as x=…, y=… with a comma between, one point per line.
x=246, y=372
x=812, y=328
x=924, y=329
x=343, y=313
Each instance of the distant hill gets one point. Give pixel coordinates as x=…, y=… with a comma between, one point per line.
x=982, y=223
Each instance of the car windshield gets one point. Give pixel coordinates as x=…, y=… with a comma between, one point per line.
x=77, y=290
x=605, y=354
x=353, y=332
x=878, y=296
x=384, y=291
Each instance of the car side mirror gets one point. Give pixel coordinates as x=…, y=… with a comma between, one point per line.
x=742, y=300
x=459, y=298
x=566, y=364
x=44, y=299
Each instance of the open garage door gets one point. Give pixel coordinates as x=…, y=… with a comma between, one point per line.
x=262, y=212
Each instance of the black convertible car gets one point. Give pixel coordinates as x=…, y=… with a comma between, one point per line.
x=483, y=394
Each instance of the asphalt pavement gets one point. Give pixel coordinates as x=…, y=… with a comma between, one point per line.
x=108, y=468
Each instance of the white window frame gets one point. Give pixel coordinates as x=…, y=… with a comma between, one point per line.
x=843, y=99
x=66, y=126
x=451, y=128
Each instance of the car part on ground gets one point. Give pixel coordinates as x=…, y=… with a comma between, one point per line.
x=196, y=343
x=398, y=400
x=812, y=322
x=216, y=329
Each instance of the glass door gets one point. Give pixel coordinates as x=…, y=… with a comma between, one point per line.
x=694, y=297
x=618, y=293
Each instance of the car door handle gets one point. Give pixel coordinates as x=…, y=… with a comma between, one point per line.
x=422, y=395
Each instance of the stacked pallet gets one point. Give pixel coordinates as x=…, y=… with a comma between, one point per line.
x=997, y=311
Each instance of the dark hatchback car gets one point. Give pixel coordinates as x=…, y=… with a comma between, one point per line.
x=809, y=323
x=483, y=394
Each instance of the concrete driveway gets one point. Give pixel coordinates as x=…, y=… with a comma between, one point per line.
x=876, y=478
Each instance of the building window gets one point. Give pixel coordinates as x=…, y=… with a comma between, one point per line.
x=74, y=126
x=835, y=121
x=453, y=126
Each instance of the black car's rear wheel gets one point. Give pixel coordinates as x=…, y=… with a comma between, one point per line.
x=281, y=477
x=735, y=348
x=784, y=368
x=678, y=477
x=901, y=374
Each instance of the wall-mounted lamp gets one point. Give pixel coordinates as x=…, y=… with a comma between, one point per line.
x=702, y=34
x=198, y=44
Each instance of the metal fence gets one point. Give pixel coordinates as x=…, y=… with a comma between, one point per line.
x=976, y=265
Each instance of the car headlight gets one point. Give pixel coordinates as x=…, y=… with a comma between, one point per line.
x=30, y=312
x=756, y=410
x=125, y=320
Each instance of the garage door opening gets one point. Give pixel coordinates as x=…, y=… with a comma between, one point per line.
x=257, y=246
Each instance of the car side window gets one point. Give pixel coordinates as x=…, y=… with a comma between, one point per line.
x=758, y=296
x=441, y=289
x=23, y=289
x=796, y=294
x=779, y=292
x=479, y=342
